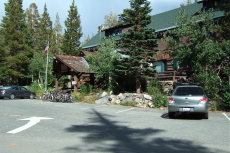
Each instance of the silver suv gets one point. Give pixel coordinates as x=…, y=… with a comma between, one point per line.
x=188, y=99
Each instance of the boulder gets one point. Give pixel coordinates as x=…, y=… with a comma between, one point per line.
x=127, y=98
x=103, y=100
x=147, y=97
x=100, y=95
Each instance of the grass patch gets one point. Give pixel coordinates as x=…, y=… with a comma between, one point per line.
x=129, y=103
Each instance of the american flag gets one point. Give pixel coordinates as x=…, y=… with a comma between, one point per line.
x=46, y=49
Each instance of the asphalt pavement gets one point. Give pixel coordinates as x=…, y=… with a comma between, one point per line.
x=35, y=126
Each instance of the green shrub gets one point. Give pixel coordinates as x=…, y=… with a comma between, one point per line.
x=160, y=100
x=213, y=106
x=85, y=89
x=35, y=87
x=155, y=90
x=38, y=89
x=225, y=101
x=129, y=103
x=154, y=87
x=77, y=96
x=219, y=89
x=90, y=99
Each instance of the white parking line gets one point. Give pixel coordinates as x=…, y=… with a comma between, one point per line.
x=94, y=107
x=226, y=116
x=124, y=110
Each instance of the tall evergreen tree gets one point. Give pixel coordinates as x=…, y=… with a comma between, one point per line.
x=16, y=54
x=138, y=43
x=45, y=30
x=42, y=39
x=32, y=20
x=73, y=32
x=57, y=36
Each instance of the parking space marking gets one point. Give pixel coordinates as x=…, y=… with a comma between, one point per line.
x=124, y=110
x=226, y=116
x=94, y=107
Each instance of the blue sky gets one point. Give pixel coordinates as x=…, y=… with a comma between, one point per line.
x=91, y=12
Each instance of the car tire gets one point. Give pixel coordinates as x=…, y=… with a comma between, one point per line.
x=32, y=96
x=205, y=116
x=171, y=114
x=12, y=96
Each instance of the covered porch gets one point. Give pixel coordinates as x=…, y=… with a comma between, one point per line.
x=77, y=70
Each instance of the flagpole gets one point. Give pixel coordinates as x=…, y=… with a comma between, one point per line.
x=47, y=61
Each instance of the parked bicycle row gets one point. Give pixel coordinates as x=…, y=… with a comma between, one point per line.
x=57, y=96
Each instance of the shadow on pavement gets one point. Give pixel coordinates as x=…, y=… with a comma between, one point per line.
x=109, y=137
x=184, y=116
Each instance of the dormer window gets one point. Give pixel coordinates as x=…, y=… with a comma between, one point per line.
x=113, y=32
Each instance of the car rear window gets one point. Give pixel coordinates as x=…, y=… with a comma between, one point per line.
x=196, y=91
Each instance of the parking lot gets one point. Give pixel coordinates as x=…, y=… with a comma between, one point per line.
x=79, y=127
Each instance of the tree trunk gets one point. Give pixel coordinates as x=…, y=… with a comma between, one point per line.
x=138, y=83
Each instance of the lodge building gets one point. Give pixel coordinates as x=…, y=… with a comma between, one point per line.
x=168, y=70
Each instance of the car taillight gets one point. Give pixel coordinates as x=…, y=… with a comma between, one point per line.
x=171, y=100
x=203, y=100
x=3, y=91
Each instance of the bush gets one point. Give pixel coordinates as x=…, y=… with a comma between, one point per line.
x=77, y=96
x=129, y=103
x=225, y=101
x=85, y=89
x=160, y=100
x=218, y=88
x=155, y=89
x=37, y=89
x=90, y=99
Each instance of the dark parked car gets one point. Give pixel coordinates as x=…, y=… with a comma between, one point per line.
x=12, y=92
x=188, y=99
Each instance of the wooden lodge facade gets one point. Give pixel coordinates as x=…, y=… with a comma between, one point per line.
x=168, y=70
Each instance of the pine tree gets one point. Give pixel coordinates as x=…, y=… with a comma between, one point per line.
x=138, y=43
x=43, y=38
x=16, y=54
x=73, y=32
x=32, y=21
x=57, y=36
x=45, y=31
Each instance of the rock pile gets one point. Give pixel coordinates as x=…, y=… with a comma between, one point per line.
x=141, y=100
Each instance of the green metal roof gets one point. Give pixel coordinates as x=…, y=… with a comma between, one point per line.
x=166, y=20
x=95, y=40
x=160, y=22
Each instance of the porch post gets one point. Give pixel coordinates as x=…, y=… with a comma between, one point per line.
x=75, y=85
x=174, y=75
x=56, y=82
x=91, y=77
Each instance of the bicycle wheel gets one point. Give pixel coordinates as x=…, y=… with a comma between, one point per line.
x=44, y=97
